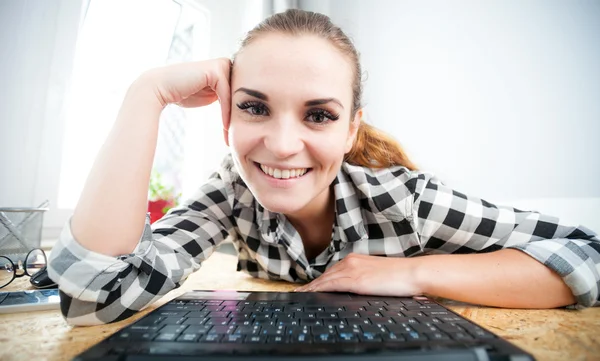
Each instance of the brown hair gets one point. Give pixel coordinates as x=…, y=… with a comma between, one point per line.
x=372, y=147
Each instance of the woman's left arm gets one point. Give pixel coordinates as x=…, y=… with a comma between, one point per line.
x=505, y=278
x=480, y=253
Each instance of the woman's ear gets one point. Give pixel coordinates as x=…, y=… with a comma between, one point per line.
x=353, y=131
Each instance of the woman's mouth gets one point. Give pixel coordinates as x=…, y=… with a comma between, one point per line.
x=283, y=173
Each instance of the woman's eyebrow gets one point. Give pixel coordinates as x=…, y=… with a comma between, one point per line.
x=308, y=103
x=323, y=101
x=254, y=93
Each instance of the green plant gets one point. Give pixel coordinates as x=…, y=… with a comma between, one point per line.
x=158, y=190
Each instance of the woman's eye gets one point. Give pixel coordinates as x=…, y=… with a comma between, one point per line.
x=317, y=118
x=321, y=117
x=254, y=109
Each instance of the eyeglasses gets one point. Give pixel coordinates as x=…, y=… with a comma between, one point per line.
x=34, y=261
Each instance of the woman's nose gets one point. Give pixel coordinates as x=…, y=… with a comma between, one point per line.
x=283, y=139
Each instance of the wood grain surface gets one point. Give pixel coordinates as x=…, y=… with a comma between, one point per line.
x=556, y=334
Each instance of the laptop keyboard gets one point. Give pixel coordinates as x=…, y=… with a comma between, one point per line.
x=260, y=322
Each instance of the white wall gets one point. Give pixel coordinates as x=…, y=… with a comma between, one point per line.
x=500, y=99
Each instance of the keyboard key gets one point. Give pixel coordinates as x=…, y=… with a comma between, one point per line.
x=424, y=307
x=200, y=314
x=190, y=321
x=348, y=329
x=273, y=331
x=392, y=337
x=436, y=335
x=255, y=339
x=233, y=338
x=222, y=330
x=452, y=319
x=334, y=321
x=211, y=337
x=413, y=314
x=348, y=314
x=277, y=339
x=481, y=334
x=174, y=328
x=369, y=337
x=324, y=338
x=166, y=336
x=152, y=320
x=436, y=313
x=166, y=313
x=373, y=329
x=461, y=336
x=401, y=320
x=219, y=321
x=197, y=328
x=188, y=337
x=142, y=328
x=400, y=328
x=311, y=321
x=414, y=336
x=449, y=327
x=301, y=338
x=424, y=328
x=347, y=337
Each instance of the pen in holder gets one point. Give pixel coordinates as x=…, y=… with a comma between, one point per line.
x=21, y=229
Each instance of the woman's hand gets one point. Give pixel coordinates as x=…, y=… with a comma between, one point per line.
x=192, y=84
x=369, y=275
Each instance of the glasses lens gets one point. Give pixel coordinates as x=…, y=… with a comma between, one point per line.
x=35, y=260
x=7, y=273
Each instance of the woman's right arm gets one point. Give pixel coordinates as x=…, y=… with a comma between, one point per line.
x=116, y=189
x=108, y=262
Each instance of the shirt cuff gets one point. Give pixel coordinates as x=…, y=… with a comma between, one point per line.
x=91, y=276
x=569, y=259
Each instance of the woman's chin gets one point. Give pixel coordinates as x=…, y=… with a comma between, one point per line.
x=285, y=206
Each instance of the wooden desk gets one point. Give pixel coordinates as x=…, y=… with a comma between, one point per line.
x=547, y=334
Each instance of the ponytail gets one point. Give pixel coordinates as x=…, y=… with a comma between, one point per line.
x=376, y=149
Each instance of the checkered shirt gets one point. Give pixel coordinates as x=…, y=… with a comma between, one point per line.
x=391, y=212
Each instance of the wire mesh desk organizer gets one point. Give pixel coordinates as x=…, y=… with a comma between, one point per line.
x=21, y=230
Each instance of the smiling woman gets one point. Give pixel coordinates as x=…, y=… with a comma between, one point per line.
x=310, y=192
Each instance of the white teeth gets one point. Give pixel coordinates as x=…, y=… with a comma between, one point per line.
x=283, y=173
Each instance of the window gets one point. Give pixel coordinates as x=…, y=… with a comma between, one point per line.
x=107, y=60
x=117, y=40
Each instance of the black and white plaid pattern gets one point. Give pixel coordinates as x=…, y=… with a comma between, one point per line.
x=390, y=212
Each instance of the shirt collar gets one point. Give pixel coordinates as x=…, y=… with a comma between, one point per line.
x=349, y=225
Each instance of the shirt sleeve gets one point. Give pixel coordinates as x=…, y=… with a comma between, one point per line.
x=450, y=222
x=97, y=289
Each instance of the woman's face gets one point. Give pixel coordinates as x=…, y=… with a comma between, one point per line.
x=290, y=119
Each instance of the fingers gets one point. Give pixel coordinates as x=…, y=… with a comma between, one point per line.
x=323, y=282
x=223, y=90
x=337, y=283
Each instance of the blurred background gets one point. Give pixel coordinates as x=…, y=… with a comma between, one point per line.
x=500, y=99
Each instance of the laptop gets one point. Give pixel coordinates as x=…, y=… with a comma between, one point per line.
x=231, y=325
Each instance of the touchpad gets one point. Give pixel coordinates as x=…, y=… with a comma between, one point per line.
x=313, y=297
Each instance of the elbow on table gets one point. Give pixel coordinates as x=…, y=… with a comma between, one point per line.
x=77, y=312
